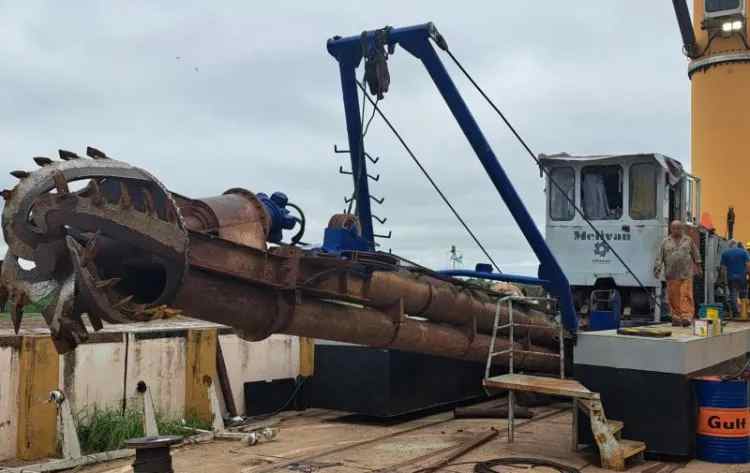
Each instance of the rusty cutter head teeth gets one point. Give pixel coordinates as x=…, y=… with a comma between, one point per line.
x=20, y=174
x=16, y=315
x=89, y=249
x=67, y=155
x=3, y=296
x=94, y=153
x=43, y=161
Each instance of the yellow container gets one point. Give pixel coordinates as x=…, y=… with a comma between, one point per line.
x=713, y=313
x=716, y=327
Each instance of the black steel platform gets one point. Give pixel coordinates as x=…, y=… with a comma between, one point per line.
x=388, y=383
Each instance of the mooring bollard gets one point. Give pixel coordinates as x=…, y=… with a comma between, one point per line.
x=152, y=453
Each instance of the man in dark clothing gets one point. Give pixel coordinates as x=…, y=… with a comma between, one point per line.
x=734, y=265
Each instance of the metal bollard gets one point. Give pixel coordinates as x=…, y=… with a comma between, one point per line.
x=152, y=453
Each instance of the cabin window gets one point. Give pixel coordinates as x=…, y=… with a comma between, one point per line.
x=560, y=207
x=601, y=192
x=720, y=5
x=643, y=179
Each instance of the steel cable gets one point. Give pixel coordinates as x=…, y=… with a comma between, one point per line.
x=552, y=181
x=361, y=163
x=429, y=178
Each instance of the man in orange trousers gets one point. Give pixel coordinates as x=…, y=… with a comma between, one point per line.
x=680, y=259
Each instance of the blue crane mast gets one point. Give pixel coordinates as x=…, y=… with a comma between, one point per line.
x=374, y=47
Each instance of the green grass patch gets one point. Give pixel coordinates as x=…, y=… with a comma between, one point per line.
x=104, y=429
x=34, y=307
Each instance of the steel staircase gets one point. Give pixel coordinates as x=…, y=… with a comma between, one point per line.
x=614, y=451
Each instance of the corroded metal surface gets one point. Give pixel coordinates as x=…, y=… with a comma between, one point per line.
x=123, y=248
x=123, y=220
x=237, y=216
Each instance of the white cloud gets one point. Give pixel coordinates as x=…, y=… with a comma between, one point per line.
x=263, y=110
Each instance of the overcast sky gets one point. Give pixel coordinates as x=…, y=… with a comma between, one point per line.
x=213, y=95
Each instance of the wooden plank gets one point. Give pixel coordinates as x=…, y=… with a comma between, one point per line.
x=306, y=356
x=460, y=451
x=340, y=448
x=68, y=463
x=540, y=384
x=615, y=426
x=39, y=373
x=631, y=448
x=200, y=365
x=491, y=412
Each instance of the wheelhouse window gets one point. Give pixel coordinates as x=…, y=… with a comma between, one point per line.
x=560, y=207
x=720, y=5
x=643, y=180
x=601, y=192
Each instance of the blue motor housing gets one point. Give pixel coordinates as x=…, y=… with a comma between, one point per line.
x=336, y=240
x=281, y=218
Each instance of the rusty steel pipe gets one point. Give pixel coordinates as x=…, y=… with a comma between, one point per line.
x=431, y=298
x=424, y=296
x=258, y=313
x=236, y=216
x=440, y=301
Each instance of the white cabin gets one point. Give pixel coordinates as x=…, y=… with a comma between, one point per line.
x=630, y=199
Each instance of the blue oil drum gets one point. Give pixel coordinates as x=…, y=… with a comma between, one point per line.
x=723, y=430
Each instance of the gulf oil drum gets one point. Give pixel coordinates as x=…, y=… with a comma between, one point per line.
x=723, y=431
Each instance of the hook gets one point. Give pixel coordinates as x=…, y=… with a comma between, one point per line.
x=383, y=236
x=379, y=201
x=381, y=220
x=338, y=150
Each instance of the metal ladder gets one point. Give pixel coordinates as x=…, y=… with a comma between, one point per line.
x=613, y=449
x=511, y=350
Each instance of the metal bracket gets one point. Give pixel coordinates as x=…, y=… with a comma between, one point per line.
x=150, y=428
x=71, y=447
x=337, y=150
x=217, y=424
